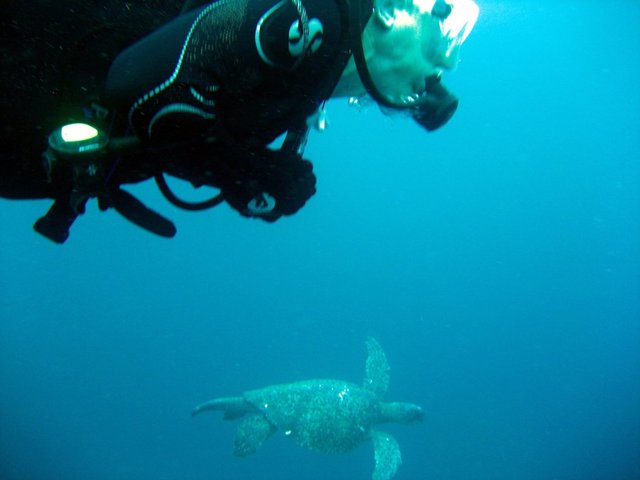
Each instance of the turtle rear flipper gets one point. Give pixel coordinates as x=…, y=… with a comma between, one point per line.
x=251, y=433
x=387, y=455
x=377, y=369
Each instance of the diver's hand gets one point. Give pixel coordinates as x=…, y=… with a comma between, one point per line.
x=268, y=184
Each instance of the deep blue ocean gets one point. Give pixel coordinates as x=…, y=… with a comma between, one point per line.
x=497, y=261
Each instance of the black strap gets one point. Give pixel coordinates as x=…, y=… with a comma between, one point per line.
x=136, y=212
x=361, y=63
x=178, y=202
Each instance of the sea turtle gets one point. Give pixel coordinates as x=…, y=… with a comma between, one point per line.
x=331, y=416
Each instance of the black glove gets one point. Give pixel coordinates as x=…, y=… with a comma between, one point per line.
x=266, y=183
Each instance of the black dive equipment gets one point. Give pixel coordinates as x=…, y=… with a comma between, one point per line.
x=435, y=106
x=260, y=182
x=85, y=154
x=87, y=157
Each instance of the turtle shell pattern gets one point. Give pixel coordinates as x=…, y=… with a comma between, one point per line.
x=331, y=416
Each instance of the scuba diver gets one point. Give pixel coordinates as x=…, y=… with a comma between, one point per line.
x=201, y=91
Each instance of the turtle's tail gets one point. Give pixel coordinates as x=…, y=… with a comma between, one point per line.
x=233, y=407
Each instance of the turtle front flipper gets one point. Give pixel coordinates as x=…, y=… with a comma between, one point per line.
x=377, y=369
x=387, y=455
x=233, y=407
x=252, y=432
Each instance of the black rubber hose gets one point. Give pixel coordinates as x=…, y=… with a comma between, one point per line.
x=192, y=206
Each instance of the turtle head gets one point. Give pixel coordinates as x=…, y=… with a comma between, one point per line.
x=400, y=412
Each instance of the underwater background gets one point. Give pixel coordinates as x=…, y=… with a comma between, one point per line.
x=497, y=261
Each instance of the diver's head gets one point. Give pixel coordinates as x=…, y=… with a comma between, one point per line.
x=407, y=41
x=405, y=47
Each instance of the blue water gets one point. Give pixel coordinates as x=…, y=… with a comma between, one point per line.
x=497, y=261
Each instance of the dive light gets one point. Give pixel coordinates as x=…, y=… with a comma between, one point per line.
x=77, y=139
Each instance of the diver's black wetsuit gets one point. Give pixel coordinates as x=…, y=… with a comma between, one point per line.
x=208, y=91
x=238, y=66
x=237, y=73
